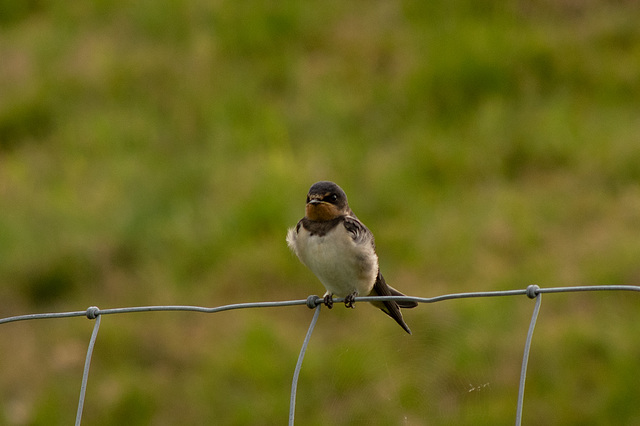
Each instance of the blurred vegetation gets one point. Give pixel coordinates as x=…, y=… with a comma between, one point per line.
x=156, y=152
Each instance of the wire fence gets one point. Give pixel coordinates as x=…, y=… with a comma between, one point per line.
x=315, y=302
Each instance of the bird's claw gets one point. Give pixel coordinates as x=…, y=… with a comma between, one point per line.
x=350, y=300
x=328, y=301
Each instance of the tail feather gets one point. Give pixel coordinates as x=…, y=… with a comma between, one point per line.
x=390, y=307
x=408, y=304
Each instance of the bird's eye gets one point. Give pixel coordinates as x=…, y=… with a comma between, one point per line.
x=308, y=199
x=333, y=198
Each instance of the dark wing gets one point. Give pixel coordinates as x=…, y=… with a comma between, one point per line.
x=357, y=230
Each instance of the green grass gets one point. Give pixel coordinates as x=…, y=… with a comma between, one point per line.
x=155, y=153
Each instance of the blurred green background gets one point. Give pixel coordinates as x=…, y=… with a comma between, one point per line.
x=155, y=152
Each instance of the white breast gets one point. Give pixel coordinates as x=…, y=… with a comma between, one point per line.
x=342, y=266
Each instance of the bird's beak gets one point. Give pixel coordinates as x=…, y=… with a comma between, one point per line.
x=314, y=201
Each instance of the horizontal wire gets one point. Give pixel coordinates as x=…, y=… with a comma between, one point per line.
x=210, y=310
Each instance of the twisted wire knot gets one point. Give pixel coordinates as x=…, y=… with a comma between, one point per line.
x=313, y=301
x=533, y=291
x=93, y=312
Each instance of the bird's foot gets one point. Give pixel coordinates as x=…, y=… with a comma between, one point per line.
x=350, y=300
x=328, y=300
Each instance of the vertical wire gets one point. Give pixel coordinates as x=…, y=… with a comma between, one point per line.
x=85, y=374
x=296, y=372
x=525, y=359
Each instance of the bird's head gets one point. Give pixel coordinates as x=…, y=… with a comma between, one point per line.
x=326, y=201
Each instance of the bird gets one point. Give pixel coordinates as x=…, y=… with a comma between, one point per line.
x=340, y=250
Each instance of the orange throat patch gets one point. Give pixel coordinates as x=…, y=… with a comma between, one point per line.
x=321, y=212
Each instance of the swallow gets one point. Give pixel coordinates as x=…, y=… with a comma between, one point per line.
x=340, y=250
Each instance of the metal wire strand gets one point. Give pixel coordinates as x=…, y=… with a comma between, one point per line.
x=202, y=309
x=91, y=313
x=296, y=372
x=313, y=302
x=532, y=291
